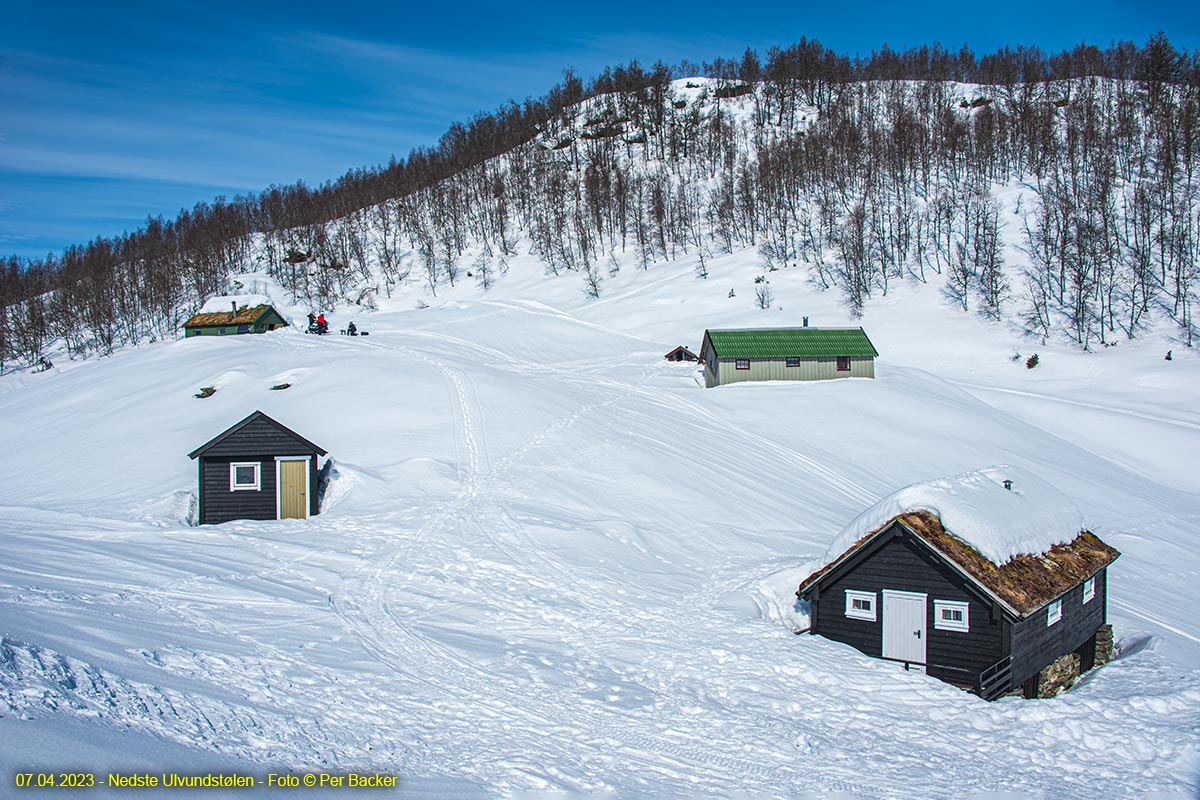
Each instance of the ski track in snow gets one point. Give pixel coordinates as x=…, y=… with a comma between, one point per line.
x=477, y=511
x=673, y=402
x=1174, y=421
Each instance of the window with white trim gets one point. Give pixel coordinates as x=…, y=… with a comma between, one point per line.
x=860, y=605
x=1053, y=612
x=245, y=476
x=952, y=615
x=1089, y=589
x=741, y=363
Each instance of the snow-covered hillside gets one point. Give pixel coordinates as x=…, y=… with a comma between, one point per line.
x=1065, y=208
x=550, y=561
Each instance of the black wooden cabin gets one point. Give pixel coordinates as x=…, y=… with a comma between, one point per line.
x=257, y=469
x=681, y=353
x=914, y=593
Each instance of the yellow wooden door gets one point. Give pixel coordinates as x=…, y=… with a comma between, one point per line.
x=293, y=489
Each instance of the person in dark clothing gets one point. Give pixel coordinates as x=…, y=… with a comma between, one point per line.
x=312, y=319
x=352, y=329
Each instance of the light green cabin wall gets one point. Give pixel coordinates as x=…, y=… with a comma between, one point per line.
x=724, y=371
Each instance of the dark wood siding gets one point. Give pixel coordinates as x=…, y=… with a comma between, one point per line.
x=1034, y=645
x=257, y=438
x=906, y=564
x=218, y=504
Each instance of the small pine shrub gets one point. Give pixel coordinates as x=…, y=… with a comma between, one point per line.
x=280, y=387
x=1032, y=362
x=207, y=391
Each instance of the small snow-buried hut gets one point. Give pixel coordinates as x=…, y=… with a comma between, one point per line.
x=257, y=469
x=981, y=580
x=681, y=353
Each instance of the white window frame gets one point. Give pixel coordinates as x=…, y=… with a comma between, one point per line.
x=234, y=486
x=858, y=613
x=737, y=363
x=941, y=623
x=1089, y=590
x=1054, y=612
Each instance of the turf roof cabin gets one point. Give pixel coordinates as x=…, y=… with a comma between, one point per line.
x=786, y=354
x=916, y=589
x=257, y=469
x=256, y=319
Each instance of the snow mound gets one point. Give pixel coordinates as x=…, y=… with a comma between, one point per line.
x=1000, y=523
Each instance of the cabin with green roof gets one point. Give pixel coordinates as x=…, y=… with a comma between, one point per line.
x=786, y=354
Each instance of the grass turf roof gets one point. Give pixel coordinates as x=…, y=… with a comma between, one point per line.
x=244, y=316
x=784, y=342
x=1025, y=582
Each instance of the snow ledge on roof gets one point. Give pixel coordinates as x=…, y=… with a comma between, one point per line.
x=225, y=302
x=1000, y=523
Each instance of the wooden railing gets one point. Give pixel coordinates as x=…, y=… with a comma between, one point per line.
x=989, y=684
x=996, y=679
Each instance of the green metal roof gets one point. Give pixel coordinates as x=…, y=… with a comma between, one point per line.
x=784, y=342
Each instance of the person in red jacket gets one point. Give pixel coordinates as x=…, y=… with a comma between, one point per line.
x=322, y=325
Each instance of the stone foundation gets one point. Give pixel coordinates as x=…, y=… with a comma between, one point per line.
x=1104, y=644
x=1064, y=672
x=1059, y=676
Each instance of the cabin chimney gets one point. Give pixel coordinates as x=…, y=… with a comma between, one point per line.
x=1008, y=484
x=235, y=308
x=806, y=322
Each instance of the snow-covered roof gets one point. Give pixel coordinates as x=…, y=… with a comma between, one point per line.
x=1000, y=523
x=225, y=302
x=1023, y=546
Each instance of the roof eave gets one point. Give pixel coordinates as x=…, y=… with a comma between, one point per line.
x=268, y=309
x=237, y=426
x=808, y=583
x=870, y=351
x=1000, y=601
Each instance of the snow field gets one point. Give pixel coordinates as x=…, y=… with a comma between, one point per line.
x=550, y=562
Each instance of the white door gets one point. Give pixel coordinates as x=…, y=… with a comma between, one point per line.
x=904, y=627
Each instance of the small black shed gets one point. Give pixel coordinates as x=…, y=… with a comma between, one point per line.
x=913, y=592
x=257, y=469
x=681, y=353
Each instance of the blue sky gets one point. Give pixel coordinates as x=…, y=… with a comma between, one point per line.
x=112, y=112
